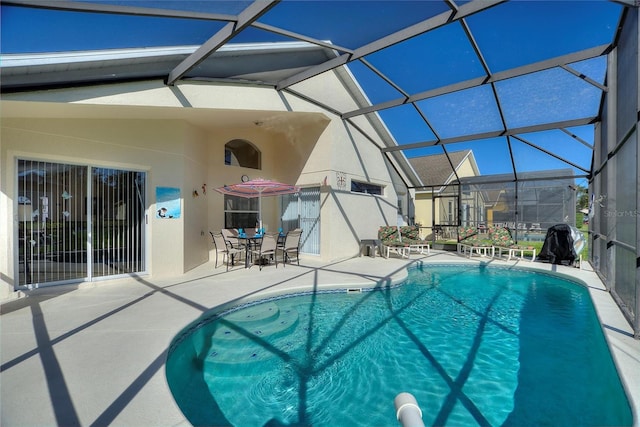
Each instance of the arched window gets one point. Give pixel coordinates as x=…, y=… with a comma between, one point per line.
x=239, y=152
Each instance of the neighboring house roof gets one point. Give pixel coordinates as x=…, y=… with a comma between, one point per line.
x=435, y=170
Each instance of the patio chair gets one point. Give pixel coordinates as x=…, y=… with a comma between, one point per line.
x=291, y=246
x=267, y=249
x=234, y=242
x=231, y=238
x=221, y=247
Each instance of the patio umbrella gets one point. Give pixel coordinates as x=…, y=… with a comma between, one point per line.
x=258, y=188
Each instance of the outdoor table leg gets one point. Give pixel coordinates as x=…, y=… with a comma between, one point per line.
x=246, y=242
x=247, y=248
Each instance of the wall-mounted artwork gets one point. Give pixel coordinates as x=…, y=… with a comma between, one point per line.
x=167, y=202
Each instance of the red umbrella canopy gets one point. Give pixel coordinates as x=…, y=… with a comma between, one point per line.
x=257, y=188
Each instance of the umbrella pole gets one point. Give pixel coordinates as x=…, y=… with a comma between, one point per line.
x=260, y=211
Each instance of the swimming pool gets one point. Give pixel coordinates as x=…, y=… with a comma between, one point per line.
x=474, y=345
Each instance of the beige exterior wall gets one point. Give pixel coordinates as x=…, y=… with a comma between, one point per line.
x=142, y=145
x=466, y=168
x=423, y=213
x=177, y=135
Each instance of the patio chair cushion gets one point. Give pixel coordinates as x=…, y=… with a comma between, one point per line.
x=388, y=236
x=409, y=235
x=388, y=232
x=501, y=236
x=465, y=233
x=475, y=241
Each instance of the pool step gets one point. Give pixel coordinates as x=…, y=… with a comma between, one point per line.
x=274, y=323
x=255, y=314
x=242, y=340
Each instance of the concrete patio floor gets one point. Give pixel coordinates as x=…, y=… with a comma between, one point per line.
x=93, y=354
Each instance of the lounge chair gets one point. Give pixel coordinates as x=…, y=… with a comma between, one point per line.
x=503, y=242
x=391, y=242
x=411, y=235
x=471, y=242
x=535, y=227
x=401, y=241
x=221, y=246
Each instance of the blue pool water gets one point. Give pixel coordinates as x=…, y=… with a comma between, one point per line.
x=474, y=345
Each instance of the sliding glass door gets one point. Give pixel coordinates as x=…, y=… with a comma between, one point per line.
x=77, y=222
x=117, y=218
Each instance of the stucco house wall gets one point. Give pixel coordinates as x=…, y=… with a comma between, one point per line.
x=163, y=131
x=423, y=213
x=467, y=168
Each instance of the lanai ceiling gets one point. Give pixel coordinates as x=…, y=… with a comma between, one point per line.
x=520, y=83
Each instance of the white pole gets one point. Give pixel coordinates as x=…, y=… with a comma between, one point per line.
x=260, y=211
x=407, y=410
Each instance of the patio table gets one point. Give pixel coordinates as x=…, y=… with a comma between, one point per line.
x=248, y=241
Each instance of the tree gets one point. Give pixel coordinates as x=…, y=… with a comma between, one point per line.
x=582, y=197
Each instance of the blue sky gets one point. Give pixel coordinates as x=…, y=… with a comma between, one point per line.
x=508, y=35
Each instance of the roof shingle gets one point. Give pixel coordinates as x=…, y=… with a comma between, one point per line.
x=436, y=169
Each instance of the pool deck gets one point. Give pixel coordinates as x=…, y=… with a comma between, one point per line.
x=93, y=354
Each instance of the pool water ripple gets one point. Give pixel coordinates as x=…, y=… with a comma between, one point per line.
x=474, y=345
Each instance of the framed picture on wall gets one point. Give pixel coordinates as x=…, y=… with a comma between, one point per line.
x=168, y=203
